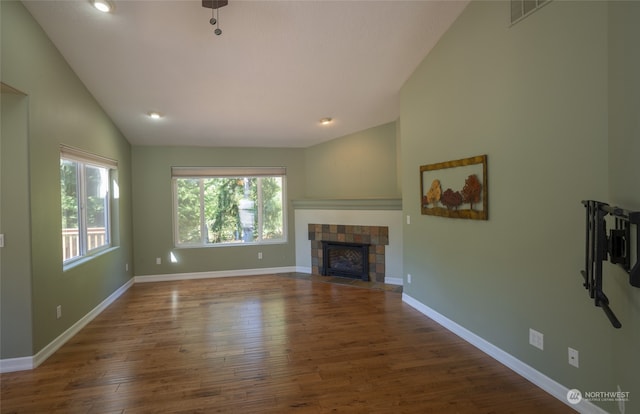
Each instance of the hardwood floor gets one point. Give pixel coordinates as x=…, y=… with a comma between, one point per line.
x=268, y=344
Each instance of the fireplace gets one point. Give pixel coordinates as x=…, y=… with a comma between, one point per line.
x=345, y=259
x=374, y=237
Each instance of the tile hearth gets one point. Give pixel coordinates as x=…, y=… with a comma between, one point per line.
x=344, y=281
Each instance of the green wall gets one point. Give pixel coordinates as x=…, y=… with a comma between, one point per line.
x=15, y=257
x=60, y=111
x=360, y=165
x=534, y=98
x=153, y=209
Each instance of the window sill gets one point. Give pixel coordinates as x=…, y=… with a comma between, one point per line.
x=82, y=260
x=217, y=245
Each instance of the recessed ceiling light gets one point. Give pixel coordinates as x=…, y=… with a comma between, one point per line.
x=102, y=5
x=154, y=115
x=326, y=121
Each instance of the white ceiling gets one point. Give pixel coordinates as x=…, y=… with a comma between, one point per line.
x=277, y=68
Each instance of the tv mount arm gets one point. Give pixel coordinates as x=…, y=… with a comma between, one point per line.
x=616, y=248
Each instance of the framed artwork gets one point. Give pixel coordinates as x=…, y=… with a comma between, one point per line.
x=457, y=189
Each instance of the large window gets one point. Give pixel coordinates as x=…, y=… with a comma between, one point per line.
x=218, y=206
x=85, y=201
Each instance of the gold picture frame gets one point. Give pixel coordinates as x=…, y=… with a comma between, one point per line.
x=455, y=189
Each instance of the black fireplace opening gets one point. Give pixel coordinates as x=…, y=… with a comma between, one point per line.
x=345, y=259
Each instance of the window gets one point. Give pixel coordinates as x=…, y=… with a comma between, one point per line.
x=85, y=201
x=228, y=206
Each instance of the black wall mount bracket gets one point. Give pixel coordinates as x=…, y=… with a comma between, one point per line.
x=616, y=247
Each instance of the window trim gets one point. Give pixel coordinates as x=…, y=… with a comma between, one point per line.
x=224, y=172
x=217, y=172
x=84, y=160
x=76, y=154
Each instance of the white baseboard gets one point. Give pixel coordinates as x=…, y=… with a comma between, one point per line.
x=216, y=274
x=393, y=281
x=557, y=390
x=303, y=269
x=16, y=364
x=31, y=362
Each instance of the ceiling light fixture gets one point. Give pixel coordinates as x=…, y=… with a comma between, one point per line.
x=102, y=5
x=154, y=115
x=215, y=5
x=326, y=121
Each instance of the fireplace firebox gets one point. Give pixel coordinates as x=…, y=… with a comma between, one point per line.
x=345, y=259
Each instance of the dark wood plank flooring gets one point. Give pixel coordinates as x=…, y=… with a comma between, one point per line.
x=268, y=344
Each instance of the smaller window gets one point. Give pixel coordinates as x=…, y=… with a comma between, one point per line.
x=85, y=199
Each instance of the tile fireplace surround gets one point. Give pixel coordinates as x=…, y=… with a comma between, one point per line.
x=376, y=236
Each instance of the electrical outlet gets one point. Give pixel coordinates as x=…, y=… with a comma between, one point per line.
x=58, y=311
x=536, y=339
x=126, y=267
x=260, y=255
x=409, y=278
x=574, y=358
x=158, y=260
x=1, y=240
x=408, y=219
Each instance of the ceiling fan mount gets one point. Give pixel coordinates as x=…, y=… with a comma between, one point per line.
x=214, y=4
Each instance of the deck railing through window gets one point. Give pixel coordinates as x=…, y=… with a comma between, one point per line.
x=71, y=241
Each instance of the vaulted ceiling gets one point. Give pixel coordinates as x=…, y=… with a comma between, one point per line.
x=277, y=68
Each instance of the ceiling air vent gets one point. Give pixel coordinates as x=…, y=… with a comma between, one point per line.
x=522, y=8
